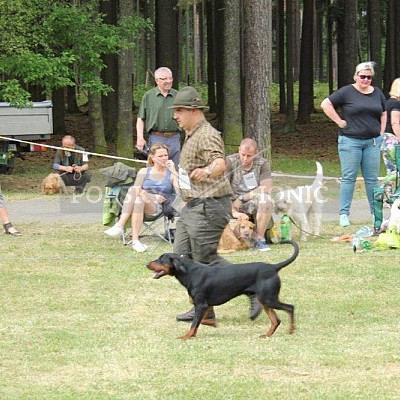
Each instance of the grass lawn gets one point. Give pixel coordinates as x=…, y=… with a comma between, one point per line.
x=82, y=318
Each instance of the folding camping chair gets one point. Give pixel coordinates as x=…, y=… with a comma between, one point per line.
x=158, y=225
x=381, y=196
x=151, y=226
x=119, y=178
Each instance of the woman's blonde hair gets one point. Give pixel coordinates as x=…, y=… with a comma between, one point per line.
x=395, y=88
x=152, y=152
x=367, y=65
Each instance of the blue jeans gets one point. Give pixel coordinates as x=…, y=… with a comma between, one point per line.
x=355, y=154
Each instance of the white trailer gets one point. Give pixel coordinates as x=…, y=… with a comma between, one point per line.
x=30, y=124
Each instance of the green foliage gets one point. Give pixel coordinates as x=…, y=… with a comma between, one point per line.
x=36, y=68
x=12, y=92
x=54, y=44
x=20, y=25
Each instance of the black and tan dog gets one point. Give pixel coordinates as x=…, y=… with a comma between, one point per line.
x=210, y=286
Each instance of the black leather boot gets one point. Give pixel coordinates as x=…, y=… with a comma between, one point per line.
x=189, y=315
x=255, y=307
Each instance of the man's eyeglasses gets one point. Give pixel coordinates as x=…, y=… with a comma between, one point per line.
x=165, y=79
x=369, y=77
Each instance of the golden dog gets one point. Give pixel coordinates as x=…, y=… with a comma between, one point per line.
x=53, y=184
x=237, y=238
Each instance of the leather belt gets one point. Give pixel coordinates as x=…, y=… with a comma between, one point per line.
x=193, y=202
x=164, y=134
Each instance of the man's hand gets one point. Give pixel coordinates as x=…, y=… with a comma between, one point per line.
x=199, y=174
x=140, y=143
x=77, y=168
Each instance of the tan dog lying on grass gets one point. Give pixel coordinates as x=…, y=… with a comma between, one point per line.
x=237, y=238
x=53, y=184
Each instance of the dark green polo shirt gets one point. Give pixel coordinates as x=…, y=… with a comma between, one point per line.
x=154, y=110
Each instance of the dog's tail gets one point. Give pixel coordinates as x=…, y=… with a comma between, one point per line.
x=283, y=264
x=319, y=176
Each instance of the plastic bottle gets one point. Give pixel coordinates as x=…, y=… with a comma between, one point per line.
x=364, y=232
x=274, y=235
x=355, y=242
x=366, y=244
x=285, y=227
x=360, y=239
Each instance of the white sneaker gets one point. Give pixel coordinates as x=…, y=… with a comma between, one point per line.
x=344, y=220
x=138, y=246
x=115, y=231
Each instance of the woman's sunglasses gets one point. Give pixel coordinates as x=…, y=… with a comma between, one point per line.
x=369, y=77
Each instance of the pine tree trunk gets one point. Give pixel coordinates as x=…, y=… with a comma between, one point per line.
x=97, y=125
x=166, y=35
x=289, y=123
x=58, y=100
x=125, y=93
x=232, y=112
x=306, y=80
x=257, y=72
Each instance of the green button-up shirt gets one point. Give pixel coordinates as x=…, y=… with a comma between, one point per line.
x=154, y=110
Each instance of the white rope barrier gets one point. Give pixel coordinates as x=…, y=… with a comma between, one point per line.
x=145, y=161
x=72, y=150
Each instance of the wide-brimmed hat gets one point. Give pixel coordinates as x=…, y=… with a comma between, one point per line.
x=188, y=97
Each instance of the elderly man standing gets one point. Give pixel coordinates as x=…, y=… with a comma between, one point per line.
x=155, y=116
x=203, y=185
x=250, y=177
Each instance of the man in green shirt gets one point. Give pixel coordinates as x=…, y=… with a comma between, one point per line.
x=156, y=118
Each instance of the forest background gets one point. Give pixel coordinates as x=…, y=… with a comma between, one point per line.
x=101, y=54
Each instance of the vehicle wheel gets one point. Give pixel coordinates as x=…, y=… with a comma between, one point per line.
x=10, y=167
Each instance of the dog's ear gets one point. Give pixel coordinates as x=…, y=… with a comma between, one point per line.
x=178, y=263
x=236, y=228
x=182, y=269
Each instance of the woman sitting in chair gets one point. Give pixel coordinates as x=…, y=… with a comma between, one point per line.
x=154, y=185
